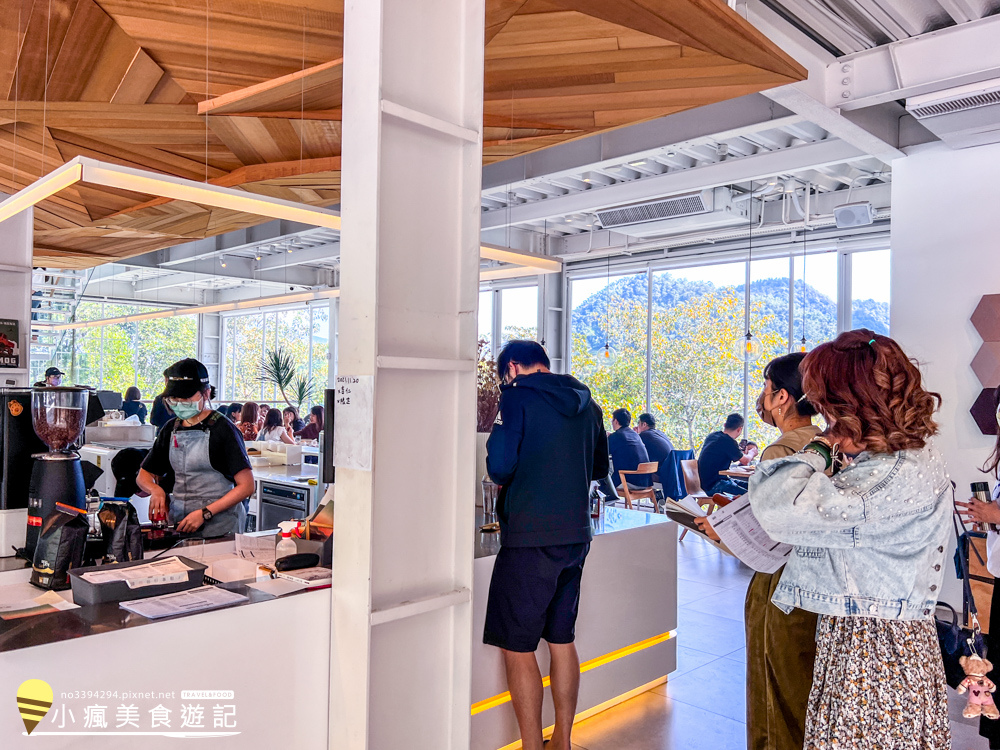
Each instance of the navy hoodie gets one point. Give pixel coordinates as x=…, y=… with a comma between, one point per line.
x=547, y=445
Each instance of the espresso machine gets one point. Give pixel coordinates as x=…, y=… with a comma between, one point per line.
x=59, y=415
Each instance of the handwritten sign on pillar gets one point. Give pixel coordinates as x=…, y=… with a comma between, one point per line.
x=354, y=421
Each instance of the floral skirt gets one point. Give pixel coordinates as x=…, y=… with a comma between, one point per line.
x=877, y=685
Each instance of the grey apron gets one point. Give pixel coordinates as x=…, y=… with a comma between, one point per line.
x=197, y=484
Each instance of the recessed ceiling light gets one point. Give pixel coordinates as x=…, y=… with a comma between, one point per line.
x=223, y=262
x=636, y=163
x=671, y=154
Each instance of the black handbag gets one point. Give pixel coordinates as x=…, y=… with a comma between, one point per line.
x=957, y=641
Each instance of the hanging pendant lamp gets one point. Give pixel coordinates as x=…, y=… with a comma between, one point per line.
x=748, y=347
x=606, y=354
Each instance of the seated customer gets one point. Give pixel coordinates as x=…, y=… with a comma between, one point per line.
x=311, y=431
x=658, y=445
x=273, y=429
x=718, y=451
x=233, y=412
x=249, y=416
x=133, y=406
x=627, y=450
x=291, y=420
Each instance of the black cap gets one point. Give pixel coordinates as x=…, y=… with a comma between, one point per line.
x=53, y=371
x=185, y=379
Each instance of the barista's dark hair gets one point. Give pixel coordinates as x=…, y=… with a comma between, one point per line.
x=524, y=353
x=785, y=375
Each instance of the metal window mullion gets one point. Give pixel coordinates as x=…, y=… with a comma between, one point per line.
x=649, y=339
x=746, y=356
x=309, y=366
x=844, y=293
x=101, y=378
x=497, y=321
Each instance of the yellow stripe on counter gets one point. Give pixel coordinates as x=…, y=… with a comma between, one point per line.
x=610, y=703
x=597, y=661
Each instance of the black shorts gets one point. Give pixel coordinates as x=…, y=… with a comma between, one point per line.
x=534, y=594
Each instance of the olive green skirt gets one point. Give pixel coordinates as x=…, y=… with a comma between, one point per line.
x=781, y=650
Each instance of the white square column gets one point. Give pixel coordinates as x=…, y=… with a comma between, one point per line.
x=16, y=246
x=405, y=445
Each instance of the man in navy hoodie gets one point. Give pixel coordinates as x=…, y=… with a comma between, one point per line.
x=547, y=445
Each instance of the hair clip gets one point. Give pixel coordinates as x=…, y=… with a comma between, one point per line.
x=871, y=343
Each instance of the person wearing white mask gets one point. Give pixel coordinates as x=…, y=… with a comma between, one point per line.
x=197, y=472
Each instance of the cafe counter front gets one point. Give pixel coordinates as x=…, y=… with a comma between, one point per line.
x=256, y=675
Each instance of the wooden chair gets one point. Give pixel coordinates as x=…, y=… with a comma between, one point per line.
x=647, y=493
x=692, y=484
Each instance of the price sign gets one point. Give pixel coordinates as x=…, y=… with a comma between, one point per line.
x=354, y=422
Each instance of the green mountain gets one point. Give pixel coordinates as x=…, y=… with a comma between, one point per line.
x=819, y=311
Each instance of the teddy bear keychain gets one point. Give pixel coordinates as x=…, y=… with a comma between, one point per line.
x=979, y=686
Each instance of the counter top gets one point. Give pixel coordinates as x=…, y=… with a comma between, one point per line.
x=613, y=519
x=288, y=474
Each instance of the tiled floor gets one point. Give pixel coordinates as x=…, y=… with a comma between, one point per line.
x=702, y=707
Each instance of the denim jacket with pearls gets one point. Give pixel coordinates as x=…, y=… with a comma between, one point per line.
x=869, y=541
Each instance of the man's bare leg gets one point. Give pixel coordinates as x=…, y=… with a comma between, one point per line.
x=524, y=681
x=565, y=676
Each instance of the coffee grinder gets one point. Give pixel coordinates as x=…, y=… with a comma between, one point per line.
x=59, y=415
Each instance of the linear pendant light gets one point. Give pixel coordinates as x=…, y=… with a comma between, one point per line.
x=93, y=172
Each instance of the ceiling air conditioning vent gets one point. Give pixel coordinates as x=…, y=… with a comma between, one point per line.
x=962, y=104
x=689, y=204
x=961, y=116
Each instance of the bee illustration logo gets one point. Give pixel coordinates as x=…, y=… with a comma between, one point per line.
x=34, y=699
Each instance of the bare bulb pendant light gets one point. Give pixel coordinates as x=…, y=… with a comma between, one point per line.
x=748, y=347
x=606, y=354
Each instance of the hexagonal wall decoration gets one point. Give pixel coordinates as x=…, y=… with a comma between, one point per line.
x=986, y=319
x=982, y=411
x=986, y=364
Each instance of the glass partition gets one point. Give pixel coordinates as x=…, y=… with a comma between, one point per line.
x=870, y=291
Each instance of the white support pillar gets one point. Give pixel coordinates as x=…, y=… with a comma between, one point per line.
x=403, y=554
x=16, y=245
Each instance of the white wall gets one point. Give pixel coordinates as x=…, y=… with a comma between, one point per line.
x=16, y=244
x=945, y=256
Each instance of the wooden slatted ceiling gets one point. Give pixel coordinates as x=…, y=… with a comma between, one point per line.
x=129, y=82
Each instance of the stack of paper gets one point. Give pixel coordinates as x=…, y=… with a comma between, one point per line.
x=184, y=602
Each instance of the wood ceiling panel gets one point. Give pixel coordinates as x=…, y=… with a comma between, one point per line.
x=126, y=76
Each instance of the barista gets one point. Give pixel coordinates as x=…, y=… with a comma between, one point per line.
x=198, y=469
x=53, y=378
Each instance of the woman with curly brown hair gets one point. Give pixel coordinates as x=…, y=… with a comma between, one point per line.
x=866, y=506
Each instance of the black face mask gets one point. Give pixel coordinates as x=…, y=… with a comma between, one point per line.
x=763, y=413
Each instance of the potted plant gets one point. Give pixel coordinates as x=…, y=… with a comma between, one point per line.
x=277, y=367
x=487, y=406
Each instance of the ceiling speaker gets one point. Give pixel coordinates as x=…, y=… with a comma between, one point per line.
x=854, y=214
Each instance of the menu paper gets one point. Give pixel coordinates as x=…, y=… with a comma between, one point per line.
x=183, y=603
x=355, y=419
x=741, y=532
x=50, y=601
x=170, y=570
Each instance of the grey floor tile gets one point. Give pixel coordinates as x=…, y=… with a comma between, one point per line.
x=966, y=737
x=716, y=570
x=656, y=722
x=718, y=687
x=727, y=603
x=689, y=659
x=710, y=634
x=690, y=591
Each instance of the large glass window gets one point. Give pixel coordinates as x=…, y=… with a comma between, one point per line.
x=120, y=355
x=816, y=285
x=248, y=338
x=518, y=313
x=694, y=374
x=611, y=312
x=870, y=291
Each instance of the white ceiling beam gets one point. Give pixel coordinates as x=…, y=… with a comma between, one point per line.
x=955, y=56
x=731, y=171
x=809, y=98
x=299, y=257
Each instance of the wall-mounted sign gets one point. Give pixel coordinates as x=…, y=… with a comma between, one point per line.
x=10, y=349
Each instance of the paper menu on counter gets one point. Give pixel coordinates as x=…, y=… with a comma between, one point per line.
x=153, y=573
x=258, y=547
x=741, y=532
x=183, y=602
x=278, y=586
x=50, y=601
